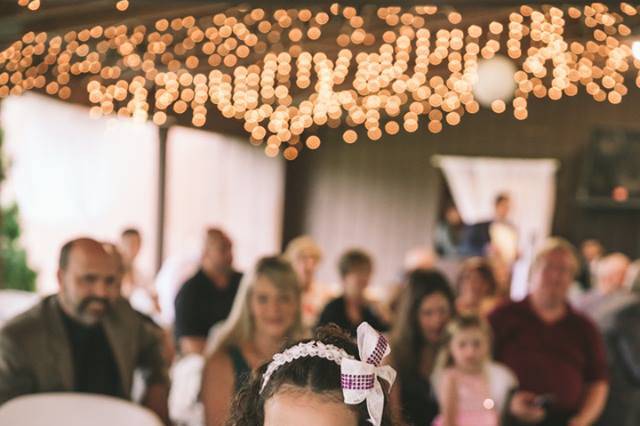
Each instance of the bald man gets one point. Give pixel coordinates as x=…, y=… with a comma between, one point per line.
x=206, y=298
x=85, y=338
x=557, y=353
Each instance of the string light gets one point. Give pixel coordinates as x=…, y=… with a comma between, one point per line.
x=31, y=5
x=267, y=68
x=122, y=5
x=34, y=5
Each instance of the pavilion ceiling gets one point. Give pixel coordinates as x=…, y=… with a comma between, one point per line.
x=278, y=74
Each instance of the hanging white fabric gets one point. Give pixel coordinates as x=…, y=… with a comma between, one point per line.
x=76, y=176
x=476, y=181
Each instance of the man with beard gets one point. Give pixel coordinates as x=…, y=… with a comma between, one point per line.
x=85, y=338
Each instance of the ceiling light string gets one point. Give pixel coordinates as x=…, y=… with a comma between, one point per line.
x=273, y=72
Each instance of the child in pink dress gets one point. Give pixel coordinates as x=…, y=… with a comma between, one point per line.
x=472, y=389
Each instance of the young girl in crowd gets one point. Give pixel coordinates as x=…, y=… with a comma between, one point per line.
x=472, y=389
x=265, y=317
x=326, y=381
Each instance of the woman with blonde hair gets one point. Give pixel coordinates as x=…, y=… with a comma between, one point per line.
x=305, y=257
x=265, y=317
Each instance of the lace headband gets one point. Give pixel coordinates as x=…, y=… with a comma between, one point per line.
x=358, y=379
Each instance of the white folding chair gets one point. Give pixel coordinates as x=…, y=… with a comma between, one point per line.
x=74, y=409
x=185, y=407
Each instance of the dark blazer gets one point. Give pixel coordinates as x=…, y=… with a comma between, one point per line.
x=336, y=313
x=475, y=239
x=35, y=355
x=622, y=338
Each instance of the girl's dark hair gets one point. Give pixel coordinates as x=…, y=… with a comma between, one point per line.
x=482, y=267
x=315, y=374
x=407, y=340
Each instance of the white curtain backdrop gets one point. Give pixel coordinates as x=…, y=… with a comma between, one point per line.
x=221, y=181
x=475, y=182
x=73, y=176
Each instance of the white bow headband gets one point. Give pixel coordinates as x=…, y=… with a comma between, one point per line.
x=358, y=379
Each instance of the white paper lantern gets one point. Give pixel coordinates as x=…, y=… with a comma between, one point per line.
x=635, y=49
x=495, y=80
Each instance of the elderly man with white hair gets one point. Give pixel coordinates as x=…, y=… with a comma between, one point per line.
x=616, y=312
x=557, y=353
x=609, y=291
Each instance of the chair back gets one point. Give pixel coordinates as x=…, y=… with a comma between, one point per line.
x=74, y=409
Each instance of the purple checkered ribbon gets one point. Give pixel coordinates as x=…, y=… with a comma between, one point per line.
x=352, y=382
x=359, y=379
x=379, y=352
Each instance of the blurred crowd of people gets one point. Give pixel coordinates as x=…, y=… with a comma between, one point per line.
x=464, y=352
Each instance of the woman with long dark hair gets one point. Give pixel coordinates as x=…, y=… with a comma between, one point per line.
x=418, y=335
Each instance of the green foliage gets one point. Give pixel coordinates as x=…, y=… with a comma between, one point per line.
x=15, y=273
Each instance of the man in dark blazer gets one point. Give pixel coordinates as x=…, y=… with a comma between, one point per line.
x=477, y=239
x=86, y=338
